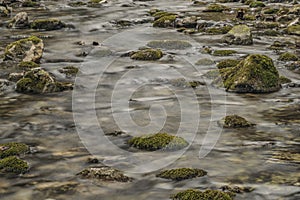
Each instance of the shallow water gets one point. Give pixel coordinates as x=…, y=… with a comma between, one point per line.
x=50, y=123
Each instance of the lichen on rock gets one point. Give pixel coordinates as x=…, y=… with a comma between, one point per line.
x=181, y=174
x=158, y=141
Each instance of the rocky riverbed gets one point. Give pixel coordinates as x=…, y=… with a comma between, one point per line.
x=83, y=84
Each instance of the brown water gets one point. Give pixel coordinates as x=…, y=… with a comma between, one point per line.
x=242, y=157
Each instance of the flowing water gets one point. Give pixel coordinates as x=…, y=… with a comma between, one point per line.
x=50, y=123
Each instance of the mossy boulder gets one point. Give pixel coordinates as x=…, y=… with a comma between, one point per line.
x=227, y=63
x=192, y=194
x=169, y=44
x=39, y=81
x=293, y=30
x=239, y=35
x=47, y=24
x=165, y=21
x=218, y=30
x=28, y=49
x=256, y=4
x=181, y=174
x=255, y=74
x=21, y=20
x=234, y=121
x=104, y=173
x=215, y=8
x=287, y=56
x=28, y=65
x=223, y=52
x=147, y=54
x=69, y=71
x=12, y=164
x=12, y=149
x=158, y=141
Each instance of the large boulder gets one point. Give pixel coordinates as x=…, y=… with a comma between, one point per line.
x=254, y=74
x=28, y=49
x=21, y=20
x=39, y=81
x=239, y=35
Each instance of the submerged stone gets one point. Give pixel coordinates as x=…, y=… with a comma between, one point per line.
x=28, y=49
x=169, y=44
x=234, y=121
x=47, y=24
x=239, y=35
x=255, y=74
x=192, y=194
x=181, y=174
x=158, y=141
x=147, y=54
x=104, y=173
x=12, y=149
x=12, y=164
x=40, y=81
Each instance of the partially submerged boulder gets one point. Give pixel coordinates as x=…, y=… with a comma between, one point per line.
x=234, y=121
x=239, y=35
x=255, y=74
x=165, y=21
x=21, y=20
x=28, y=49
x=147, y=54
x=181, y=174
x=40, y=81
x=12, y=164
x=47, y=24
x=192, y=194
x=104, y=173
x=287, y=56
x=13, y=149
x=158, y=141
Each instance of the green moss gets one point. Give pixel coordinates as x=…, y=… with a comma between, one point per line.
x=271, y=32
x=293, y=30
x=227, y=63
x=158, y=141
x=77, y=4
x=250, y=17
x=192, y=194
x=267, y=25
x=181, y=174
x=256, y=4
x=270, y=11
x=255, y=74
x=69, y=71
x=147, y=54
x=13, y=148
x=28, y=65
x=47, y=24
x=234, y=121
x=12, y=164
x=165, y=21
x=216, y=8
x=218, y=30
x=224, y=52
x=287, y=56
x=30, y=4
x=169, y=44
x=161, y=14
x=284, y=80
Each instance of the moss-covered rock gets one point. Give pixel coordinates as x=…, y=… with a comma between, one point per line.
x=40, y=81
x=147, y=54
x=205, y=61
x=29, y=3
x=165, y=21
x=218, y=30
x=69, y=71
x=159, y=141
x=236, y=189
x=287, y=56
x=227, y=63
x=270, y=11
x=28, y=65
x=104, y=173
x=293, y=30
x=47, y=24
x=12, y=164
x=256, y=4
x=77, y=4
x=12, y=149
x=239, y=35
x=192, y=194
x=255, y=74
x=284, y=80
x=223, y=52
x=169, y=44
x=28, y=49
x=234, y=121
x=181, y=174
x=215, y=8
